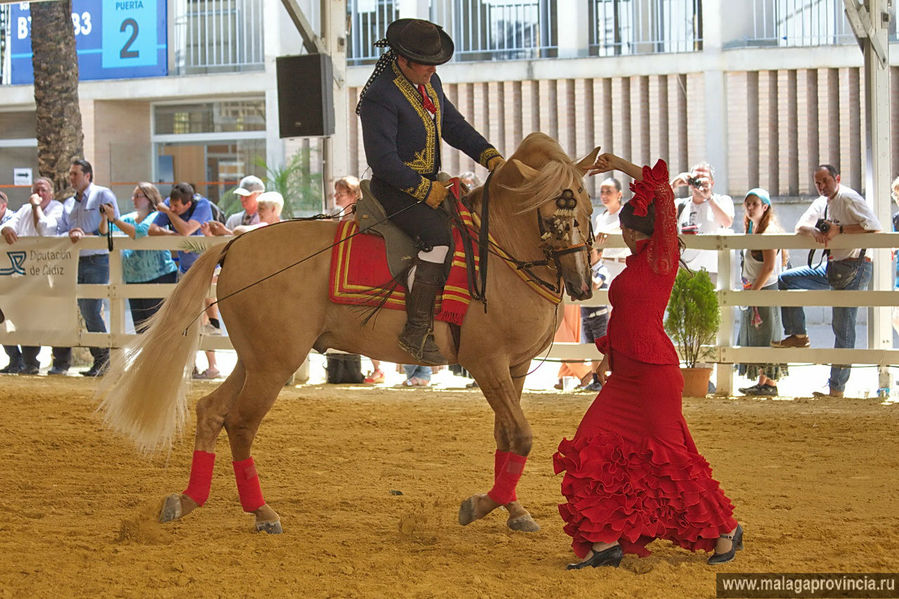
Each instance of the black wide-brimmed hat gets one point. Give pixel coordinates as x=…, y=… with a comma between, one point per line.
x=420, y=41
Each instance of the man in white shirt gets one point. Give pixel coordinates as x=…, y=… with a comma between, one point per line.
x=249, y=189
x=606, y=223
x=837, y=210
x=703, y=213
x=38, y=217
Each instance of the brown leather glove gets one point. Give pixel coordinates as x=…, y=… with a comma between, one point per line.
x=495, y=162
x=436, y=195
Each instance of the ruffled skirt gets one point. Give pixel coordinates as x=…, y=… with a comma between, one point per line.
x=632, y=471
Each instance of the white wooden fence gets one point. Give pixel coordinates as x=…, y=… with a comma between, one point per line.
x=878, y=300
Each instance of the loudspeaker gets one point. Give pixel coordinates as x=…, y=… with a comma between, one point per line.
x=305, y=99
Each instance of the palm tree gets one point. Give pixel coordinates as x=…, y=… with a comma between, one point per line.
x=60, y=137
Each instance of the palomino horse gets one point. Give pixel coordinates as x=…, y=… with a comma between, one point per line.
x=540, y=213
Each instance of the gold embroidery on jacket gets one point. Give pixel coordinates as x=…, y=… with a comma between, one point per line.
x=425, y=160
x=486, y=155
x=420, y=192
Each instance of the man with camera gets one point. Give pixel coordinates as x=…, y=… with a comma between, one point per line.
x=703, y=213
x=81, y=217
x=838, y=210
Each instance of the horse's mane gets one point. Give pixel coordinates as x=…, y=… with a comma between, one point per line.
x=555, y=171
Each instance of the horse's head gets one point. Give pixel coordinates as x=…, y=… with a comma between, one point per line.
x=551, y=185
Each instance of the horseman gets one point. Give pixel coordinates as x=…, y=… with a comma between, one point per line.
x=404, y=115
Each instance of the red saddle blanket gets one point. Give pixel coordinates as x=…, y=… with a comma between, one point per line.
x=360, y=276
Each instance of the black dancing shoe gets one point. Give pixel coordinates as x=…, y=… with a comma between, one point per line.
x=608, y=557
x=735, y=545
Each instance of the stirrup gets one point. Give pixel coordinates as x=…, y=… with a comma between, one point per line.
x=424, y=350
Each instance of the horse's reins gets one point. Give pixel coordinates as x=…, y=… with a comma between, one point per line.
x=298, y=262
x=550, y=252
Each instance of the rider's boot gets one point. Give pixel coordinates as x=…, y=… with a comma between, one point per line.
x=417, y=337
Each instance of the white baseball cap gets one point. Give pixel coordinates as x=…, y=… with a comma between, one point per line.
x=250, y=185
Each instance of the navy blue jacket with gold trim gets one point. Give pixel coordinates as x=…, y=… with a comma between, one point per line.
x=402, y=139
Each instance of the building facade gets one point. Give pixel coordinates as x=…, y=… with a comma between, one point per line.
x=762, y=89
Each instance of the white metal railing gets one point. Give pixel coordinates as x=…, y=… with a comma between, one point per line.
x=368, y=21
x=625, y=27
x=509, y=29
x=725, y=351
x=794, y=23
x=217, y=35
x=481, y=30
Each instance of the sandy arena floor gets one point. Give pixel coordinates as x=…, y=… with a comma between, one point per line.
x=814, y=483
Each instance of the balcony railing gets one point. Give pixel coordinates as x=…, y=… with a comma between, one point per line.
x=214, y=36
x=481, y=29
x=368, y=23
x=503, y=29
x=795, y=23
x=624, y=27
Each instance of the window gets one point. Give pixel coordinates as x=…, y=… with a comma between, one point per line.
x=209, y=144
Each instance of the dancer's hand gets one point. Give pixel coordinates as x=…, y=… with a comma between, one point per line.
x=604, y=163
x=602, y=373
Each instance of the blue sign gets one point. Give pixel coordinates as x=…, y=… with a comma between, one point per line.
x=115, y=39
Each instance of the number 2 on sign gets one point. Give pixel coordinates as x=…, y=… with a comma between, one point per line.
x=82, y=23
x=125, y=52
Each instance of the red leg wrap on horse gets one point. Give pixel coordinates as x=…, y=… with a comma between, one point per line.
x=499, y=462
x=248, y=485
x=200, y=477
x=503, y=490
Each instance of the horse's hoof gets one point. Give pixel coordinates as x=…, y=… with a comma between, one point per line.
x=272, y=528
x=171, y=508
x=523, y=524
x=467, y=513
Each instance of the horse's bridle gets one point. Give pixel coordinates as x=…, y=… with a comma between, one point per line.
x=557, y=227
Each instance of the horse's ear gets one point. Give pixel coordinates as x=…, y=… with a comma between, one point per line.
x=528, y=172
x=587, y=161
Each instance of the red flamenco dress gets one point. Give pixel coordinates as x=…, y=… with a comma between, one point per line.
x=632, y=471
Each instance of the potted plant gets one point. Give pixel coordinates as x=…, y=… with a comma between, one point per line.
x=692, y=322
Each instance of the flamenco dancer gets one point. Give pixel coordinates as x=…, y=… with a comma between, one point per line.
x=632, y=471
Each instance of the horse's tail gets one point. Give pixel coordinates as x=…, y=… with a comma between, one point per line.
x=143, y=395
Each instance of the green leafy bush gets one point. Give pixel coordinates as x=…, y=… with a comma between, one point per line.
x=693, y=316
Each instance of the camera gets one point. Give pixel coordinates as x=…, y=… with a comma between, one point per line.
x=822, y=225
x=694, y=181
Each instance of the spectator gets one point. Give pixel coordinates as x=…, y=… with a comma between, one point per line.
x=594, y=319
x=836, y=211
x=703, y=213
x=37, y=217
x=5, y=215
x=269, y=207
x=217, y=213
x=606, y=224
x=184, y=214
x=346, y=193
x=249, y=190
x=142, y=266
x=760, y=325
x=570, y=331
x=80, y=217
x=417, y=376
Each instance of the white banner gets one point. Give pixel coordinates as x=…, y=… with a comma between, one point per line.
x=37, y=292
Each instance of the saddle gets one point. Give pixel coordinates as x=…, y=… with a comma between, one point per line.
x=400, y=248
